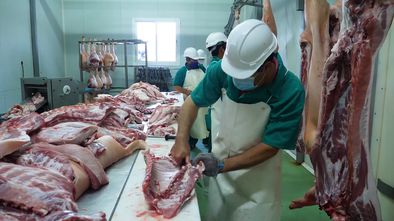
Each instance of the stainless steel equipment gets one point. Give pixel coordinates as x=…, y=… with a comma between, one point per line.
x=57, y=91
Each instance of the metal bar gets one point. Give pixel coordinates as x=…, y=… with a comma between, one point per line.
x=126, y=69
x=33, y=27
x=122, y=66
x=131, y=41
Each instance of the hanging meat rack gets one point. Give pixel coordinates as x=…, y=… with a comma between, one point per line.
x=127, y=45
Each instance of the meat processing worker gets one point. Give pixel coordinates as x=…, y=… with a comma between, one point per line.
x=180, y=75
x=190, y=80
x=202, y=57
x=261, y=113
x=216, y=45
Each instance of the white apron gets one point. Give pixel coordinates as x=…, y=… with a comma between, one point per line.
x=216, y=114
x=199, y=128
x=247, y=194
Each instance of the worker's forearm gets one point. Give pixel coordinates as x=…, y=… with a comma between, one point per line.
x=268, y=16
x=186, y=118
x=182, y=90
x=249, y=158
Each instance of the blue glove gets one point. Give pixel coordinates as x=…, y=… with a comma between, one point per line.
x=212, y=164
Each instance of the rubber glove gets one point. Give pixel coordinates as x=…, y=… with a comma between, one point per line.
x=212, y=164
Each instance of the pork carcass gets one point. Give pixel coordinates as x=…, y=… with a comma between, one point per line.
x=66, y=133
x=83, y=157
x=345, y=187
x=92, y=81
x=315, y=49
x=84, y=55
x=50, y=159
x=163, y=117
x=118, y=118
x=12, y=214
x=14, y=132
x=34, y=189
x=124, y=136
x=115, y=61
x=42, y=157
x=142, y=92
x=167, y=187
x=92, y=113
x=115, y=151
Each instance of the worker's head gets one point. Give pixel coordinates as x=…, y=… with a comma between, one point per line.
x=216, y=44
x=201, y=55
x=191, y=57
x=249, y=55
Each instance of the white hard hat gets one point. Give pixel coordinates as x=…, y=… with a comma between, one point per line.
x=190, y=53
x=215, y=38
x=201, y=54
x=249, y=44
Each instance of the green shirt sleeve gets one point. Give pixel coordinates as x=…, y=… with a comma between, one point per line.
x=201, y=66
x=180, y=76
x=283, y=126
x=209, y=89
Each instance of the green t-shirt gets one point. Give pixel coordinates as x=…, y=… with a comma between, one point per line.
x=287, y=101
x=180, y=75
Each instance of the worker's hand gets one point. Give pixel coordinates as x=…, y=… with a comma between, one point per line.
x=211, y=163
x=180, y=152
x=188, y=92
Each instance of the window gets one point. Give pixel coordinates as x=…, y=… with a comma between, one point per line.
x=161, y=38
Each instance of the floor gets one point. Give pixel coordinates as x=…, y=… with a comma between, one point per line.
x=296, y=180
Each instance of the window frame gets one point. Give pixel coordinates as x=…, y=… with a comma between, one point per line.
x=158, y=20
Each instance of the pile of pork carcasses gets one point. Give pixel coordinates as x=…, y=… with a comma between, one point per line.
x=48, y=160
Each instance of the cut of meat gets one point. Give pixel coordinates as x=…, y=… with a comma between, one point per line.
x=68, y=132
x=28, y=107
x=90, y=113
x=119, y=102
x=142, y=92
x=166, y=186
x=28, y=123
x=11, y=214
x=72, y=216
x=163, y=131
x=83, y=157
x=46, y=158
x=114, y=151
x=163, y=116
x=118, y=118
x=11, y=141
x=13, y=133
x=124, y=136
x=34, y=189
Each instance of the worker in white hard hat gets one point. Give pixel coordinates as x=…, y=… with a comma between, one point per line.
x=181, y=73
x=186, y=83
x=202, y=57
x=216, y=45
x=260, y=116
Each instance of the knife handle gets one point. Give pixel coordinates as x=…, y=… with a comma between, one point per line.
x=169, y=137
